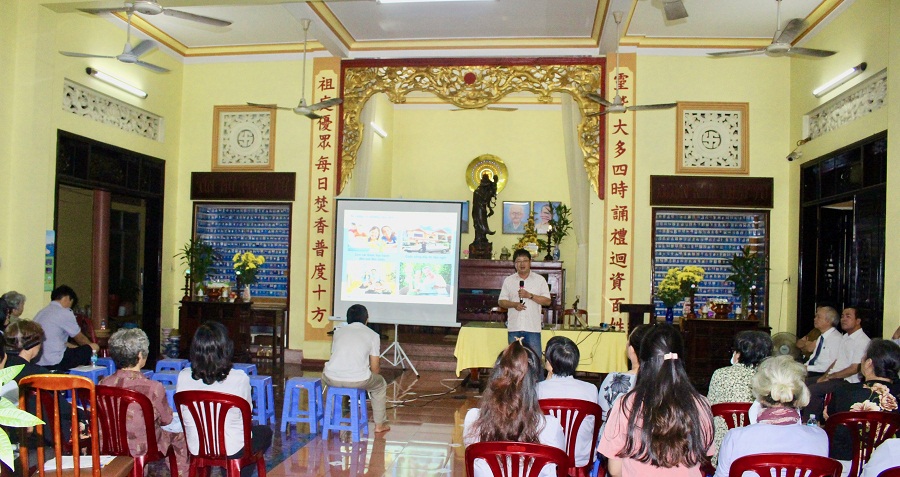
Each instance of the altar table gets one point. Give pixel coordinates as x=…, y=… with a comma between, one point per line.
x=479, y=344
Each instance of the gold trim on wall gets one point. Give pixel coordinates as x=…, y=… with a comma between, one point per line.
x=243, y=138
x=712, y=138
x=472, y=87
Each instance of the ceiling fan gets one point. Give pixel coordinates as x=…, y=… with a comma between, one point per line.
x=302, y=108
x=129, y=54
x=781, y=43
x=674, y=10
x=617, y=105
x=152, y=7
x=487, y=108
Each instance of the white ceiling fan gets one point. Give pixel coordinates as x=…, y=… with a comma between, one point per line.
x=617, y=105
x=152, y=7
x=782, y=41
x=129, y=54
x=302, y=108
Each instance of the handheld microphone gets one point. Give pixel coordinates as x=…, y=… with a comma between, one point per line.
x=521, y=286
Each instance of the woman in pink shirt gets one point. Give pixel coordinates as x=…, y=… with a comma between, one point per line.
x=662, y=427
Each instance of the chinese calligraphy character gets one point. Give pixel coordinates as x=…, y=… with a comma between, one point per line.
x=621, y=79
x=620, y=128
x=615, y=304
x=325, y=123
x=323, y=164
x=620, y=212
x=617, y=279
x=618, y=237
x=320, y=225
x=618, y=259
x=319, y=314
x=320, y=248
x=319, y=272
x=323, y=183
x=326, y=84
x=319, y=291
x=321, y=202
x=619, y=189
x=620, y=170
x=620, y=148
x=324, y=141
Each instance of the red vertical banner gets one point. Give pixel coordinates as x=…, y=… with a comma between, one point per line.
x=618, y=270
x=323, y=186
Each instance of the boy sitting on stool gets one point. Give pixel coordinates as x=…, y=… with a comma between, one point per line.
x=356, y=361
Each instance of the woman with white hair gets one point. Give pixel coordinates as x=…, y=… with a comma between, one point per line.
x=778, y=385
x=16, y=303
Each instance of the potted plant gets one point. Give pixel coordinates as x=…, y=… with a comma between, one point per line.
x=246, y=266
x=747, y=268
x=670, y=292
x=12, y=416
x=199, y=257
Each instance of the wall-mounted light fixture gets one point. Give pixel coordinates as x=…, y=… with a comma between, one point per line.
x=797, y=153
x=378, y=130
x=839, y=80
x=116, y=82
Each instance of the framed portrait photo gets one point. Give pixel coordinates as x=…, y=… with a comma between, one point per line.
x=464, y=218
x=515, y=216
x=243, y=138
x=712, y=138
x=542, y=215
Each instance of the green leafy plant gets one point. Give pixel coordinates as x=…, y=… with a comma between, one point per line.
x=561, y=222
x=199, y=257
x=669, y=291
x=747, y=268
x=12, y=416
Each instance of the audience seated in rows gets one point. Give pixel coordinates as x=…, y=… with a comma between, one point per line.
x=59, y=325
x=617, y=384
x=509, y=407
x=823, y=350
x=845, y=367
x=562, y=357
x=211, y=370
x=877, y=392
x=662, y=427
x=129, y=349
x=16, y=303
x=778, y=385
x=732, y=383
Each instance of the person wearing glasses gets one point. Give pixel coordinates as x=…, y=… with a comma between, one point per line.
x=524, y=293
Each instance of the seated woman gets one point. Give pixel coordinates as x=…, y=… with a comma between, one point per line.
x=510, y=410
x=129, y=349
x=211, y=353
x=778, y=385
x=662, y=427
x=732, y=383
x=617, y=384
x=877, y=392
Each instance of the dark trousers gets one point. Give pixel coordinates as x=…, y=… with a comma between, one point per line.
x=260, y=441
x=72, y=358
x=817, y=393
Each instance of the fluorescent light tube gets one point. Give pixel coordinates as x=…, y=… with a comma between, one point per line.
x=839, y=80
x=116, y=82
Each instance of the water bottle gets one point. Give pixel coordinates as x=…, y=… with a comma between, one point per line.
x=93, y=358
x=812, y=421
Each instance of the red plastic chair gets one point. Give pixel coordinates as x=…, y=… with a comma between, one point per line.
x=868, y=429
x=735, y=414
x=516, y=459
x=792, y=464
x=892, y=472
x=571, y=413
x=47, y=389
x=113, y=406
x=208, y=410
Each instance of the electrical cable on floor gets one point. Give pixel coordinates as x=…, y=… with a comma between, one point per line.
x=404, y=402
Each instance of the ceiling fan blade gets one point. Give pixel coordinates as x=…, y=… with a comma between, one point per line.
x=674, y=10
x=648, y=107
x=97, y=11
x=151, y=66
x=311, y=115
x=598, y=99
x=797, y=51
x=269, y=106
x=83, y=55
x=143, y=47
x=196, y=18
x=728, y=54
x=501, y=108
x=791, y=31
x=325, y=104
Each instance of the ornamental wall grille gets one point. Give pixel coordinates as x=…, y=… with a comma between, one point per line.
x=856, y=102
x=86, y=102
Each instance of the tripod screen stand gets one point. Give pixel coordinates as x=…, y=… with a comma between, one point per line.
x=400, y=356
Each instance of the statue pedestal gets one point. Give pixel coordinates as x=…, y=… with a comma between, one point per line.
x=481, y=250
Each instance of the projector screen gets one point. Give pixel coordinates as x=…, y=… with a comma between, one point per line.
x=399, y=258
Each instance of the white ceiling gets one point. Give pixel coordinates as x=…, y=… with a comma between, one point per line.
x=366, y=29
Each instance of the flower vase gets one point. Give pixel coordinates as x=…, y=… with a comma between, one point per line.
x=245, y=294
x=670, y=314
x=556, y=253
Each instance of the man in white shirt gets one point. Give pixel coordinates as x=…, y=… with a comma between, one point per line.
x=523, y=294
x=822, y=351
x=356, y=361
x=845, y=367
x=563, y=357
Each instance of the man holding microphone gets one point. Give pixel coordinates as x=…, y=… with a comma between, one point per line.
x=523, y=294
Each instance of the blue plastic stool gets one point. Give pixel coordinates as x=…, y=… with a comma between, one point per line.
x=357, y=423
x=109, y=363
x=170, y=396
x=94, y=373
x=248, y=368
x=172, y=364
x=263, y=396
x=148, y=373
x=166, y=377
x=291, y=412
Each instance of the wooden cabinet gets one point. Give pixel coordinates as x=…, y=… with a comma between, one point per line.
x=707, y=344
x=480, y=282
x=258, y=330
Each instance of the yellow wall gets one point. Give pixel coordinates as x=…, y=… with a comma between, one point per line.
x=74, y=247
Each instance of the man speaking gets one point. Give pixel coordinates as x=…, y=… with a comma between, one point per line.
x=523, y=294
